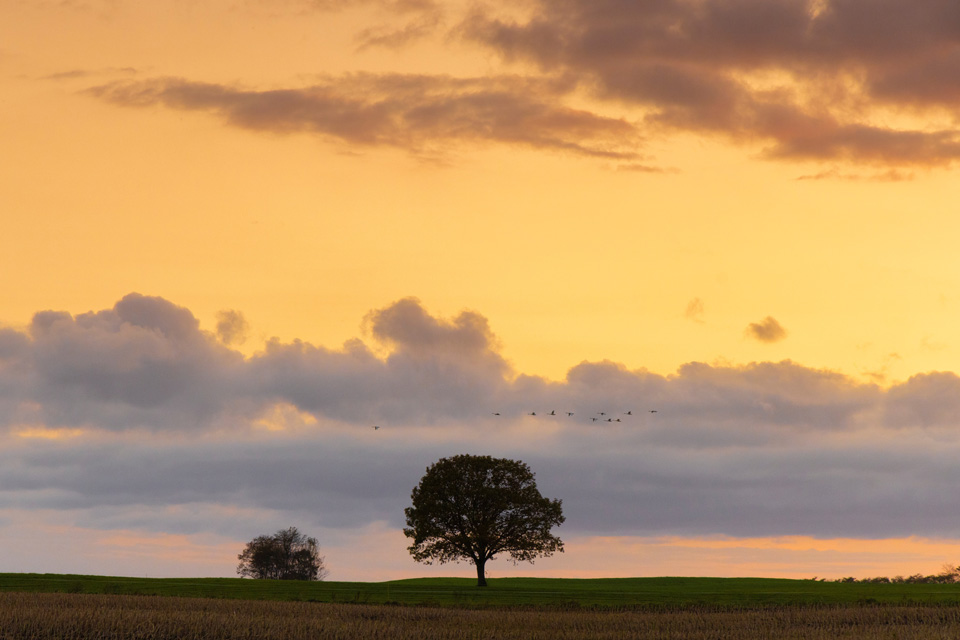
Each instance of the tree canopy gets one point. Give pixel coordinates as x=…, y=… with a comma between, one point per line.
x=286, y=555
x=475, y=507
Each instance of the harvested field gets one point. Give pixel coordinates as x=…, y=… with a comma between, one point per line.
x=41, y=616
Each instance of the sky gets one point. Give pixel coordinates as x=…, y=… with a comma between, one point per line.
x=238, y=234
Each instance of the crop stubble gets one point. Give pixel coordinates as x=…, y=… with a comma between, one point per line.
x=41, y=616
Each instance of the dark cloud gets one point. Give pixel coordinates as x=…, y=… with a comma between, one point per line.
x=804, y=78
x=767, y=330
x=927, y=81
x=808, y=489
x=770, y=448
x=423, y=114
x=348, y=486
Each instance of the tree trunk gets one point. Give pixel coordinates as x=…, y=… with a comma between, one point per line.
x=481, y=578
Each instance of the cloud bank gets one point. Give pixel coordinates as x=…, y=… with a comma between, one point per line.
x=832, y=82
x=136, y=417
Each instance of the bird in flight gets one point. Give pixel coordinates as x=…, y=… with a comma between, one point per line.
x=375, y=427
x=569, y=413
x=552, y=413
x=628, y=413
x=532, y=413
x=653, y=410
x=496, y=413
x=594, y=419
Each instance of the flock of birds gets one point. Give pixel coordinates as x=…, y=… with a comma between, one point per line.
x=602, y=416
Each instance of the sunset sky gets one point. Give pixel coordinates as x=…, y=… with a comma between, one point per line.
x=239, y=233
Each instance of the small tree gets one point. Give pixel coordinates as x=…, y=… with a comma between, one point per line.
x=475, y=507
x=286, y=555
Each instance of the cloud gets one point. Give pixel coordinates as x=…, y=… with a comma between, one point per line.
x=137, y=418
x=811, y=84
x=394, y=6
x=147, y=364
x=75, y=74
x=925, y=400
x=694, y=310
x=143, y=362
x=409, y=329
x=890, y=175
x=637, y=167
x=105, y=8
x=232, y=327
x=425, y=115
x=391, y=36
x=395, y=37
x=767, y=330
x=417, y=18
x=840, y=83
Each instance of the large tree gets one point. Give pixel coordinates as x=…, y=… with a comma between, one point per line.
x=286, y=555
x=475, y=507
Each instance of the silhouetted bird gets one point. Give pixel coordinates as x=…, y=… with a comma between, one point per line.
x=375, y=427
x=496, y=413
x=569, y=413
x=532, y=413
x=552, y=413
x=628, y=413
x=594, y=419
x=653, y=410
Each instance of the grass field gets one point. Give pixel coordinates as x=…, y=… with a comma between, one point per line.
x=601, y=593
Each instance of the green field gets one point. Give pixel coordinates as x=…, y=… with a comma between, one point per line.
x=601, y=593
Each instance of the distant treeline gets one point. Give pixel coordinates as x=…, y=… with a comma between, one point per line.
x=949, y=575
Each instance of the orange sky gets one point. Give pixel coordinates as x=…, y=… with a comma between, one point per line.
x=654, y=185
